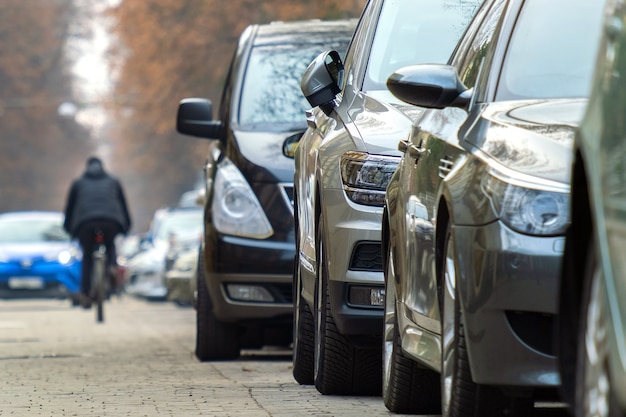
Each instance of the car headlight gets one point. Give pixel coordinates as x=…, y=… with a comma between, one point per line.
x=365, y=176
x=65, y=257
x=235, y=208
x=527, y=210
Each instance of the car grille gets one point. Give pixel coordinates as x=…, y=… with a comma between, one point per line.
x=367, y=257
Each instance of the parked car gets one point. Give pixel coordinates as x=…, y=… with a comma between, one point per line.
x=244, y=294
x=179, y=276
x=593, y=283
x=146, y=270
x=342, y=166
x=37, y=256
x=475, y=216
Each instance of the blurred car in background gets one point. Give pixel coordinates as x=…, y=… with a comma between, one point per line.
x=146, y=270
x=37, y=256
x=471, y=302
x=592, y=314
x=244, y=278
x=192, y=198
x=180, y=275
x=342, y=165
x=126, y=247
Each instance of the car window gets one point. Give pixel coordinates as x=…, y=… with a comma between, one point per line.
x=32, y=231
x=271, y=92
x=476, y=51
x=359, y=41
x=179, y=223
x=557, y=61
x=413, y=32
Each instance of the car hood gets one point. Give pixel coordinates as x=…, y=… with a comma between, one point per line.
x=261, y=157
x=531, y=137
x=382, y=121
x=16, y=251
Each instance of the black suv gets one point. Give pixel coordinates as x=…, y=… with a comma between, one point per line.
x=244, y=285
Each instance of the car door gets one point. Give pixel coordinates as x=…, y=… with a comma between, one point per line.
x=431, y=157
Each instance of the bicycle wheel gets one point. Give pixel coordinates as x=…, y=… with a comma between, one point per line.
x=98, y=283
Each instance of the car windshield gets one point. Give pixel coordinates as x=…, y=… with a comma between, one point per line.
x=271, y=92
x=557, y=60
x=179, y=224
x=32, y=231
x=414, y=32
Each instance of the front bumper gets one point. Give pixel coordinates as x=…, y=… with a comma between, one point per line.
x=250, y=263
x=508, y=285
x=45, y=276
x=354, y=261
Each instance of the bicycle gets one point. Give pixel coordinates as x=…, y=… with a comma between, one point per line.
x=99, y=282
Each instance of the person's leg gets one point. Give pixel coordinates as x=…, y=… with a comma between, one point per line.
x=86, y=240
x=110, y=230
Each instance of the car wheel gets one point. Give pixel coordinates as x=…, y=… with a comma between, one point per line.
x=215, y=340
x=460, y=396
x=303, y=334
x=339, y=367
x=596, y=397
x=407, y=387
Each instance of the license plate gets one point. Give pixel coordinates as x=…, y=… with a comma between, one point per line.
x=26, y=283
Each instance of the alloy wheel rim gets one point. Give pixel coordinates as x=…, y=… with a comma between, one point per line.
x=596, y=379
x=390, y=317
x=448, y=330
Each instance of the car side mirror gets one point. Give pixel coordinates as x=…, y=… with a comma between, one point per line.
x=321, y=80
x=195, y=118
x=432, y=86
x=291, y=143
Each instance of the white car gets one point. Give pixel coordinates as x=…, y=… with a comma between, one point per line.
x=146, y=270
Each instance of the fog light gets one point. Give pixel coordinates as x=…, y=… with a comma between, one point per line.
x=242, y=292
x=366, y=296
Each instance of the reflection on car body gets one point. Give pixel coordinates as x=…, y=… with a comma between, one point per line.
x=343, y=164
x=490, y=162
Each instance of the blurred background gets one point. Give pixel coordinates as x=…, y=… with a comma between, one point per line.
x=104, y=77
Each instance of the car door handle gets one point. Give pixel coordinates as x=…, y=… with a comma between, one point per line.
x=416, y=152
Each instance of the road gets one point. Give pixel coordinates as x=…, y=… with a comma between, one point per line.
x=55, y=360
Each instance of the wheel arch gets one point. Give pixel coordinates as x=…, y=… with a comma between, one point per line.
x=441, y=222
x=572, y=271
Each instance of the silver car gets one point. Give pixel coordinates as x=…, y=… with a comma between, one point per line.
x=592, y=348
x=342, y=166
x=475, y=220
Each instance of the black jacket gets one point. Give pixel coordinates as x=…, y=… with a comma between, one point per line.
x=95, y=196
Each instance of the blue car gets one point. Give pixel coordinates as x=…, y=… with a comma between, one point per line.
x=37, y=257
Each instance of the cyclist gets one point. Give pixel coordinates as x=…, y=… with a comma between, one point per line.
x=95, y=202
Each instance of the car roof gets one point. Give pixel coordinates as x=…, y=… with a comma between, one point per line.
x=31, y=214
x=303, y=31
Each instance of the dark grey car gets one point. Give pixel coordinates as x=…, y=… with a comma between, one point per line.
x=244, y=280
x=471, y=298
x=592, y=314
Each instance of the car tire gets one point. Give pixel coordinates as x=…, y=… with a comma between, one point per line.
x=460, y=396
x=408, y=388
x=215, y=340
x=339, y=367
x=303, y=334
x=595, y=394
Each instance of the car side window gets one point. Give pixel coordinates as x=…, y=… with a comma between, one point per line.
x=477, y=51
x=358, y=41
